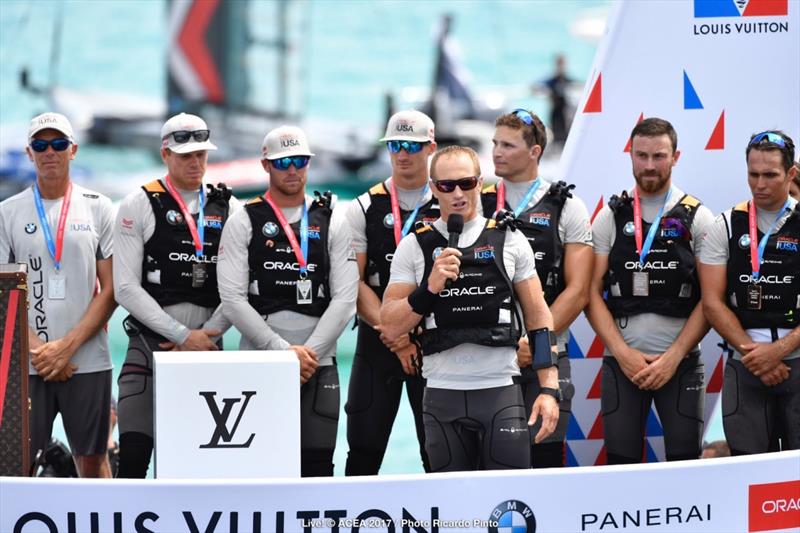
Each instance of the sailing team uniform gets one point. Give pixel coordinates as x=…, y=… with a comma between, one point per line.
x=650, y=301
x=59, y=298
x=286, y=297
x=169, y=289
x=768, y=308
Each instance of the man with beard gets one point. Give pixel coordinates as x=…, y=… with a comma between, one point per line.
x=166, y=239
x=287, y=282
x=650, y=321
x=749, y=268
x=557, y=227
x=378, y=220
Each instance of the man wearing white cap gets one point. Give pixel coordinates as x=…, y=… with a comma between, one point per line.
x=167, y=235
x=300, y=289
x=378, y=220
x=64, y=234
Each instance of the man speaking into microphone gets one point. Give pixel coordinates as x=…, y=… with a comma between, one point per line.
x=460, y=284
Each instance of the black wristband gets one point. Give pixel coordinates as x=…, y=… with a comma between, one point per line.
x=422, y=300
x=541, y=342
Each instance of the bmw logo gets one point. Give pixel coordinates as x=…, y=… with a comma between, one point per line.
x=270, y=229
x=174, y=218
x=388, y=220
x=744, y=241
x=30, y=228
x=512, y=516
x=629, y=229
x=437, y=252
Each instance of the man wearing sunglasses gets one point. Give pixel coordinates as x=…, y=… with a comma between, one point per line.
x=644, y=303
x=557, y=227
x=287, y=281
x=750, y=275
x=464, y=300
x=378, y=220
x=64, y=234
x=167, y=235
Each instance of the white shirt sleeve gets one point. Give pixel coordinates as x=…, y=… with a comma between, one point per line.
x=603, y=231
x=518, y=257
x=714, y=250
x=5, y=238
x=343, y=282
x=105, y=218
x=134, y=225
x=233, y=279
x=703, y=220
x=357, y=221
x=575, y=222
x=407, y=262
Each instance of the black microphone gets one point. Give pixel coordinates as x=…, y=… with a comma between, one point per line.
x=455, y=225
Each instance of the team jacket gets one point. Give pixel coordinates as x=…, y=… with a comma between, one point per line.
x=778, y=277
x=478, y=307
x=674, y=289
x=169, y=254
x=274, y=270
x=539, y=224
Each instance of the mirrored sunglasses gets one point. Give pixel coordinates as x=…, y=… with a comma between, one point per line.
x=283, y=163
x=59, y=145
x=183, y=136
x=411, y=147
x=769, y=137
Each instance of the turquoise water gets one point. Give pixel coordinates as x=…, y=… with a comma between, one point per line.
x=344, y=56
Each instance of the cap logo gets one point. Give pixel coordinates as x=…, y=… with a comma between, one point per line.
x=288, y=142
x=47, y=120
x=404, y=127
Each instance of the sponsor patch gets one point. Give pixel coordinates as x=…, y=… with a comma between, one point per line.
x=774, y=506
x=484, y=253
x=270, y=229
x=30, y=228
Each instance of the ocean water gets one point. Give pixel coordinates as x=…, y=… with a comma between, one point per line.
x=343, y=58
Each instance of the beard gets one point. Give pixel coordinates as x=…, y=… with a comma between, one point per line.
x=651, y=186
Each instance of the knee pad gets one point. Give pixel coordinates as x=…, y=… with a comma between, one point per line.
x=135, y=450
x=548, y=455
x=316, y=463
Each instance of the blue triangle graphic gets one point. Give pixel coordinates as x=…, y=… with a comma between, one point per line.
x=651, y=454
x=574, y=429
x=715, y=8
x=654, y=428
x=571, y=459
x=573, y=348
x=690, y=98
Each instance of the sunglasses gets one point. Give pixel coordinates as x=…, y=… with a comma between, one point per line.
x=183, y=136
x=283, y=163
x=465, y=184
x=411, y=147
x=59, y=145
x=769, y=137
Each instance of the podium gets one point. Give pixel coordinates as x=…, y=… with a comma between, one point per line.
x=14, y=446
x=227, y=414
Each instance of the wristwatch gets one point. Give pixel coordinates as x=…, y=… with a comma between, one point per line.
x=555, y=393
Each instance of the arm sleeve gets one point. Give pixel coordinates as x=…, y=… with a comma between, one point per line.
x=233, y=279
x=343, y=281
x=714, y=250
x=575, y=222
x=135, y=224
x=603, y=231
x=357, y=221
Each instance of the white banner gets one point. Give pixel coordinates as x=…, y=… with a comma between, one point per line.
x=719, y=71
x=756, y=493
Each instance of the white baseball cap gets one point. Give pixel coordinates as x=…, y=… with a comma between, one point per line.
x=184, y=122
x=50, y=121
x=409, y=125
x=285, y=141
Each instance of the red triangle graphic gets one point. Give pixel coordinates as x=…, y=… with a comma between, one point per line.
x=717, y=139
x=597, y=429
x=628, y=145
x=597, y=348
x=597, y=208
x=594, y=390
x=601, y=457
x=766, y=8
x=192, y=41
x=715, y=383
x=595, y=102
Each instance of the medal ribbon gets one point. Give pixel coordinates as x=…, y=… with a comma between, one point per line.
x=400, y=233
x=56, y=248
x=300, y=250
x=501, y=196
x=756, y=256
x=644, y=249
x=197, y=230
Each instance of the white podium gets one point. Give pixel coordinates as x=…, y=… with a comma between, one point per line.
x=227, y=414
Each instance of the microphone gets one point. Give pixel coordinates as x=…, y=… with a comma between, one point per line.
x=455, y=225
